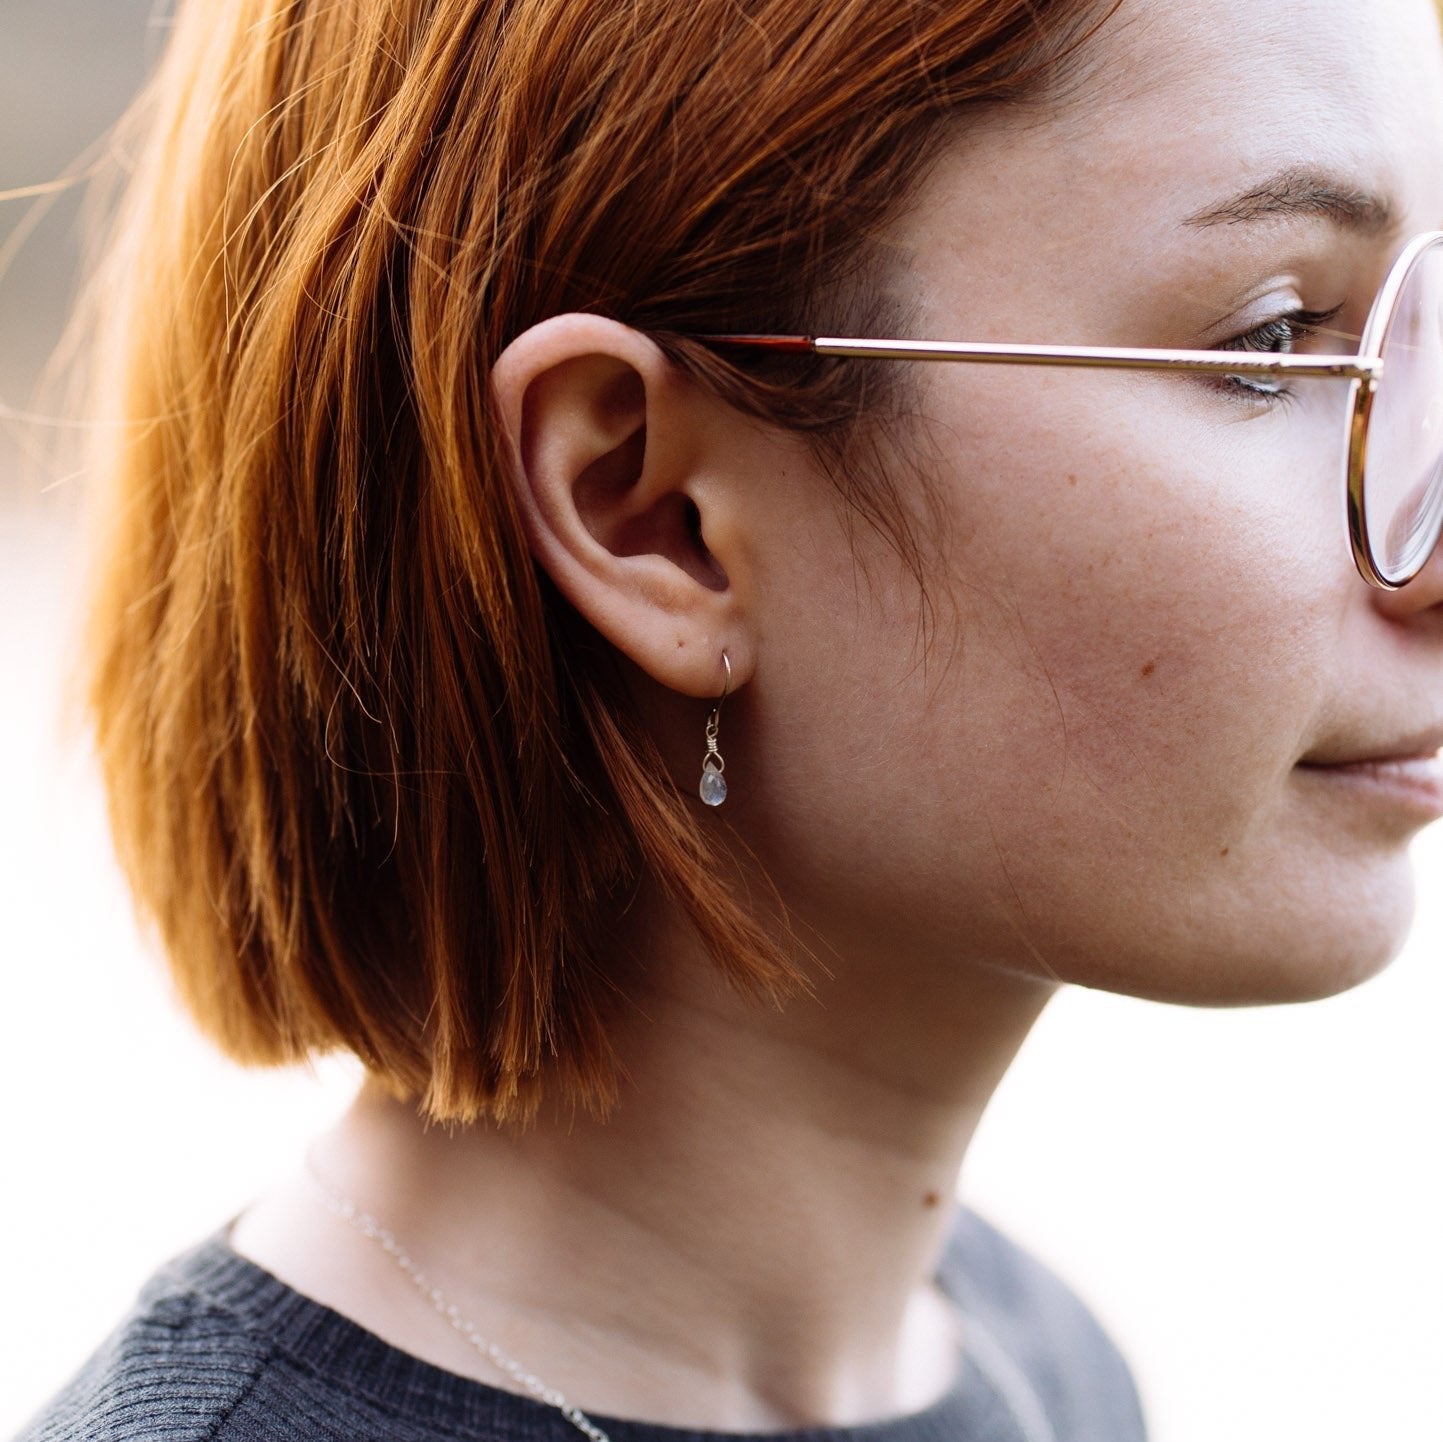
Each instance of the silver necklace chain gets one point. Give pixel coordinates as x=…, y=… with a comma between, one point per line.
x=368, y=1226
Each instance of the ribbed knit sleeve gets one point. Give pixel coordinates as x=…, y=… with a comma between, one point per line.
x=172, y=1372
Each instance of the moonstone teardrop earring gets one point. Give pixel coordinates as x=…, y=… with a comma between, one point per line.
x=713, y=788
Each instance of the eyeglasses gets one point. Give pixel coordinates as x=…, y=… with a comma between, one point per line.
x=1394, y=468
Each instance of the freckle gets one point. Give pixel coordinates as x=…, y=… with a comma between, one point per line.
x=1072, y=480
x=931, y=1200
x=1149, y=668
x=1225, y=851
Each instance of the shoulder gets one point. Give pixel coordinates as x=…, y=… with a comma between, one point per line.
x=1035, y=1340
x=175, y=1369
x=219, y=1350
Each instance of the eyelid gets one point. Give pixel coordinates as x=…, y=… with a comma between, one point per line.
x=1282, y=295
x=1283, y=332
x=1304, y=322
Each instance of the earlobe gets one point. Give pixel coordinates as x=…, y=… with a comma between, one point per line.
x=626, y=499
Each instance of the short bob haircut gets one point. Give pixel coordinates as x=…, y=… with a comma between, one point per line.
x=372, y=780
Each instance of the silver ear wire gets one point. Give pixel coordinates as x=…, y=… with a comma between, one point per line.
x=713, y=788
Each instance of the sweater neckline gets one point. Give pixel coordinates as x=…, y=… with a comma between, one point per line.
x=333, y=1348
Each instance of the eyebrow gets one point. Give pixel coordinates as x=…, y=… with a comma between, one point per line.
x=1307, y=193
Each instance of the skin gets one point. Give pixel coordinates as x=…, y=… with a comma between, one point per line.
x=1144, y=618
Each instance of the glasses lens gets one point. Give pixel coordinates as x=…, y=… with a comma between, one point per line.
x=1403, y=471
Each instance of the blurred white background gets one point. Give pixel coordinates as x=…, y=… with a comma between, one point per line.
x=1253, y=1201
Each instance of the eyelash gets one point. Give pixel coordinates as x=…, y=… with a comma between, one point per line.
x=1280, y=336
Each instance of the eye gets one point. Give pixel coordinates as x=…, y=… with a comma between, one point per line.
x=1280, y=336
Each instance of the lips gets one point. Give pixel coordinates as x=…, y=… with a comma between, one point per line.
x=1404, y=775
x=1417, y=746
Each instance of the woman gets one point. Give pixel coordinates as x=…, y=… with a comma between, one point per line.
x=470, y=528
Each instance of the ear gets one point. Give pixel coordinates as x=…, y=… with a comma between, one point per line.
x=629, y=496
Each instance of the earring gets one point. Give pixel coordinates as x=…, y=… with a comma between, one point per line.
x=713, y=788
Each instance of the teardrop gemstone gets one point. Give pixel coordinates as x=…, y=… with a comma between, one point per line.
x=713, y=788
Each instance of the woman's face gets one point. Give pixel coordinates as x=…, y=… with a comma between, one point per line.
x=1147, y=629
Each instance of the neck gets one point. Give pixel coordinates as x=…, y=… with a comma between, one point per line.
x=749, y=1241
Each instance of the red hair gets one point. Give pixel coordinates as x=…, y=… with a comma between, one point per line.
x=371, y=778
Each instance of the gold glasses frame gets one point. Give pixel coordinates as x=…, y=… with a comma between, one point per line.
x=1363, y=370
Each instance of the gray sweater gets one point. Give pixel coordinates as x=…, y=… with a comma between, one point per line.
x=218, y=1349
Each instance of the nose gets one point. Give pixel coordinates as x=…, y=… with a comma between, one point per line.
x=1422, y=594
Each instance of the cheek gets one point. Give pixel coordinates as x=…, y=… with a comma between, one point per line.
x=1157, y=670
x=1148, y=634
x=1140, y=635
x=1117, y=711
x=1076, y=756
x=1153, y=599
